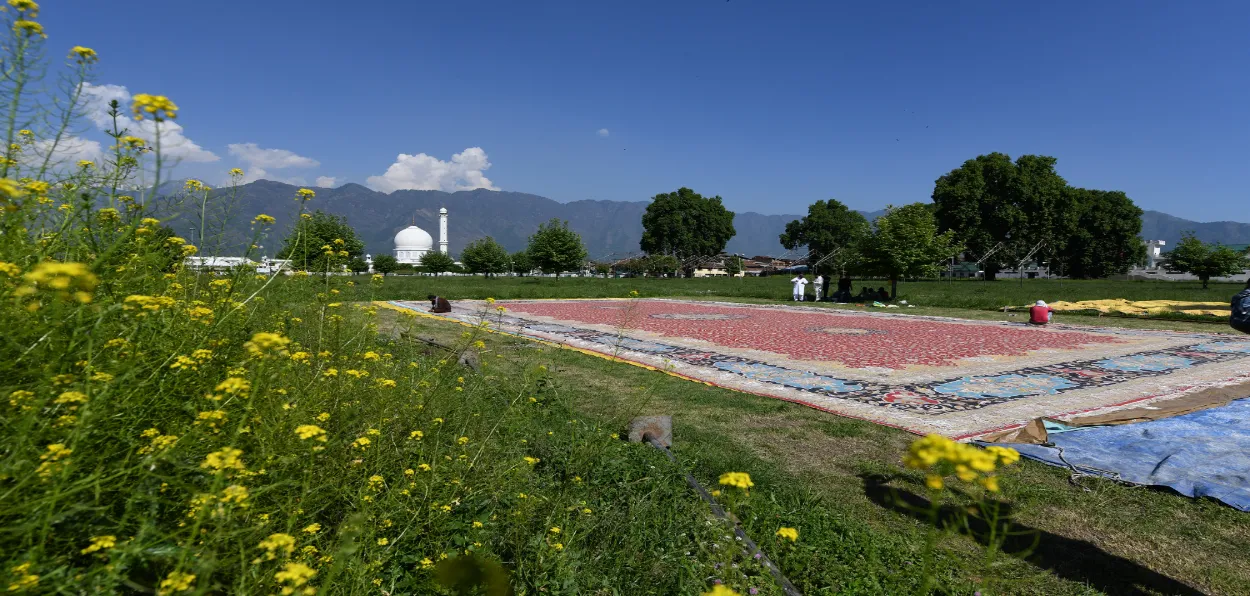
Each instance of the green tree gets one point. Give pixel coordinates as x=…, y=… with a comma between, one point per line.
x=829, y=226
x=485, y=256
x=321, y=242
x=685, y=224
x=385, y=264
x=661, y=265
x=437, y=262
x=989, y=200
x=1195, y=257
x=357, y=265
x=521, y=262
x=554, y=248
x=907, y=243
x=1104, y=242
x=733, y=265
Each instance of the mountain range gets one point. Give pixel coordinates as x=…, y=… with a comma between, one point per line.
x=610, y=229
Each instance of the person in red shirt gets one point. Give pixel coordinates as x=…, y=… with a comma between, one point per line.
x=1040, y=314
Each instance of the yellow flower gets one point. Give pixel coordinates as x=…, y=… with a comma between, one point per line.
x=175, y=582
x=304, y=194
x=933, y=481
x=1005, y=455
x=236, y=494
x=87, y=163
x=100, y=543
x=555, y=530
x=790, y=534
x=64, y=280
x=264, y=219
x=477, y=524
x=322, y=417
x=361, y=443
x=133, y=142
x=157, y=107
x=462, y=440
x=721, y=590
x=990, y=483
x=310, y=431
x=424, y=467
x=383, y=541
x=531, y=460
x=226, y=458
x=83, y=55
x=22, y=578
x=278, y=542
x=295, y=575
x=71, y=397
x=234, y=385
x=29, y=28
x=264, y=343
x=740, y=480
x=426, y=563
x=29, y=7
x=312, y=528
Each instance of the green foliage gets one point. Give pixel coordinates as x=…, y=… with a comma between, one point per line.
x=733, y=265
x=1104, y=241
x=684, y=224
x=554, y=248
x=521, y=263
x=385, y=264
x=829, y=226
x=485, y=256
x=436, y=262
x=321, y=242
x=357, y=265
x=1195, y=257
x=906, y=244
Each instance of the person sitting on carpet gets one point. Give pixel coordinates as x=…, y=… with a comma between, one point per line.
x=1040, y=313
x=438, y=304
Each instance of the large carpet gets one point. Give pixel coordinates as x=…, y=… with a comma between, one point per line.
x=923, y=374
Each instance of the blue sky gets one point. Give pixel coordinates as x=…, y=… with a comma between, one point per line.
x=771, y=105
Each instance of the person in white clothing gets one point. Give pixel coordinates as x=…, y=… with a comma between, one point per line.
x=819, y=285
x=800, y=284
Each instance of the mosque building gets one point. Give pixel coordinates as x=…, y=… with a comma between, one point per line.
x=411, y=243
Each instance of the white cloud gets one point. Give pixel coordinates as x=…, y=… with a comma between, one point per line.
x=603, y=132
x=252, y=174
x=69, y=150
x=423, y=172
x=174, y=144
x=326, y=181
x=255, y=156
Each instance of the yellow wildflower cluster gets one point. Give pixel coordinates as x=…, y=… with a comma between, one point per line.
x=54, y=460
x=790, y=534
x=277, y=544
x=264, y=219
x=159, y=443
x=175, y=582
x=311, y=431
x=23, y=579
x=304, y=194
x=99, y=543
x=295, y=576
x=740, y=480
x=156, y=107
x=265, y=344
x=226, y=458
x=143, y=305
x=63, y=280
x=942, y=457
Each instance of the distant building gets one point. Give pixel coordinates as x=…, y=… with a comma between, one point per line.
x=1154, y=253
x=411, y=243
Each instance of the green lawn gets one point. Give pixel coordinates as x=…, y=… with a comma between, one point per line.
x=840, y=482
x=979, y=295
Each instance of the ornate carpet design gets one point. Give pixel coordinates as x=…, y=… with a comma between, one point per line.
x=923, y=374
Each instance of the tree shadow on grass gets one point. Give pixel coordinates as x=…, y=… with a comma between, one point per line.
x=1075, y=560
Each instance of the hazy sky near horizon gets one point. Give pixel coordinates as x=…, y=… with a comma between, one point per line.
x=771, y=105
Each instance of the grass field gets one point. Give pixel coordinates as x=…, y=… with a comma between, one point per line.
x=974, y=295
x=839, y=481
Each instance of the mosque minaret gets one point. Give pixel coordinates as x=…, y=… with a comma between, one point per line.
x=411, y=243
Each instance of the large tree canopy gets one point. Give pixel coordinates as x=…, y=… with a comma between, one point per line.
x=1023, y=204
x=555, y=248
x=685, y=224
x=437, y=262
x=829, y=226
x=1193, y=256
x=321, y=242
x=485, y=256
x=907, y=243
x=1104, y=240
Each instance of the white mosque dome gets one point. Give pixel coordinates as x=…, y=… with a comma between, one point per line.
x=413, y=238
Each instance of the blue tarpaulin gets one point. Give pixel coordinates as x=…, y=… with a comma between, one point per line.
x=1200, y=454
